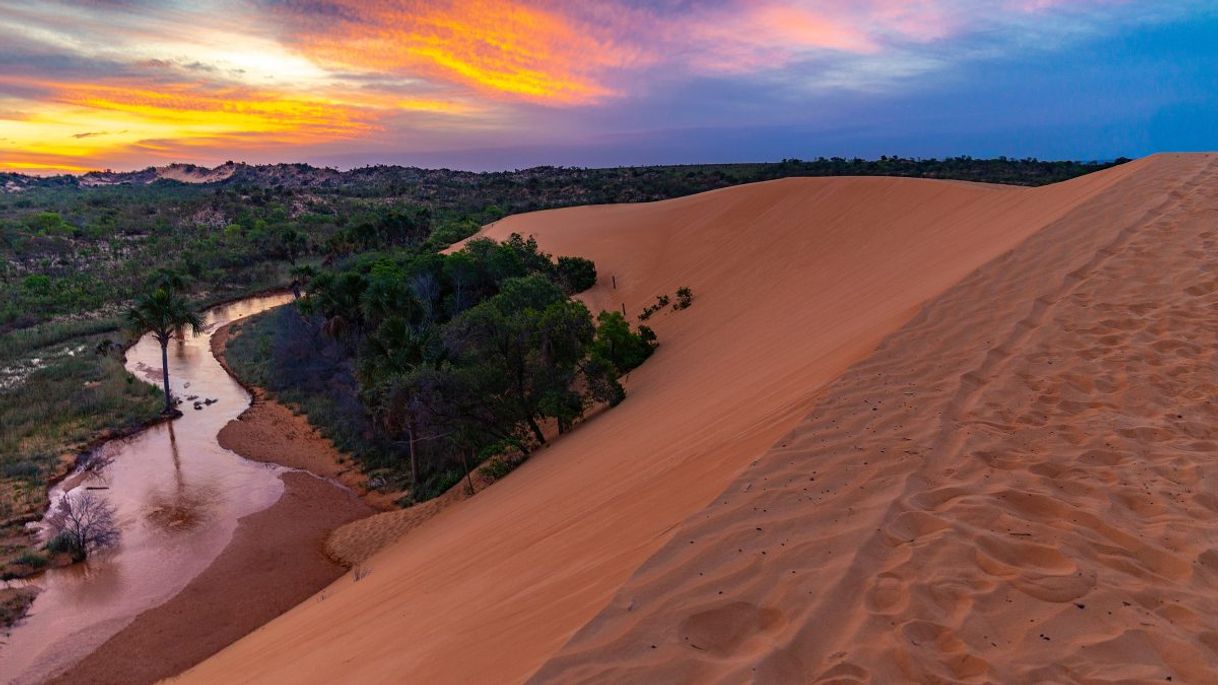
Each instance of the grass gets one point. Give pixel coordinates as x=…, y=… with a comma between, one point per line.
x=20, y=343
x=53, y=412
x=14, y=602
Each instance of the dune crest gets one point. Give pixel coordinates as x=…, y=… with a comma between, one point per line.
x=794, y=281
x=1017, y=487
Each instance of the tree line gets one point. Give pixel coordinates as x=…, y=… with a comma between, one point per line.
x=475, y=353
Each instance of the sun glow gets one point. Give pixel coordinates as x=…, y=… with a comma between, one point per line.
x=503, y=49
x=118, y=84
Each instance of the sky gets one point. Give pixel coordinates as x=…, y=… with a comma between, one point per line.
x=486, y=84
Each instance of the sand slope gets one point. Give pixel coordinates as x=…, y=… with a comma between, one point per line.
x=794, y=281
x=1020, y=486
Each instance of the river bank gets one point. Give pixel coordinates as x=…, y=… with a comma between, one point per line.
x=212, y=543
x=275, y=559
x=270, y=432
x=274, y=562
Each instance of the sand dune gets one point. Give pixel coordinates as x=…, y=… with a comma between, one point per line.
x=1019, y=486
x=963, y=483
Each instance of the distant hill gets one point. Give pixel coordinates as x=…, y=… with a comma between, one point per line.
x=299, y=176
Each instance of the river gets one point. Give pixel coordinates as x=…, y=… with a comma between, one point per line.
x=178, y=496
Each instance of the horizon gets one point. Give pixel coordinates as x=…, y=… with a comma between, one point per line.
x=126, y=84
x=373, y=165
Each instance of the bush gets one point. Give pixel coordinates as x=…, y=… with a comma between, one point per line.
x=576, y=274
x=37, y=284
x=660, y=303
x=61, y=544
x=24, y=469
x=33, y=560
x=618, y=345
x=498, y=467
x=84, y=523
x=685, y=297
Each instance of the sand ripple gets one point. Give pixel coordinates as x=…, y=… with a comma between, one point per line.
x=1019, y=486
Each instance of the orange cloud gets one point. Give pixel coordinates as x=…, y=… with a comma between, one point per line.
x=77, y=121
x=507, y=49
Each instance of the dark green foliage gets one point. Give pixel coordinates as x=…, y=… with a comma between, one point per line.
x=576, y=274
x=32, y=559
x=447, y=359
x=618, y=345
x=660, y=303
x=63, y=544
x=163, y=313
x=498, y=467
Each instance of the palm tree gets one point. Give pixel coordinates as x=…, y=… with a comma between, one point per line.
x=162, y=312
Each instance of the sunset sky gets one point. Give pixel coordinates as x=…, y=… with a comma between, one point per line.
x=484, y=84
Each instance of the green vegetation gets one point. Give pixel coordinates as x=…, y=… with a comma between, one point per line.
x=163, y=313
x=77, y=396
x=389, y=346
x=420, y=363
x=74, y=245
x=14, y=602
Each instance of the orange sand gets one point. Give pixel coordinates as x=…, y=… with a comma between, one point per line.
x=910, y=544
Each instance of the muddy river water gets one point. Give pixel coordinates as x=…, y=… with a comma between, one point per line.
x=178, y=497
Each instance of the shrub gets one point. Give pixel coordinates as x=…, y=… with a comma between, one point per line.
x=618, y=345
x=33, y=560
x=685, y=297
x=83, y=523
x=24, y=469
x=37, y=284
x=498, y=467
x=576, y=274
x=660, y=303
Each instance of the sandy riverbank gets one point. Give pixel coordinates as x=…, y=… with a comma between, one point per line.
x=275, y=560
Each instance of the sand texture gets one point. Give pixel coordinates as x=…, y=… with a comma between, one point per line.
x=998, y=460
x=1019, y=486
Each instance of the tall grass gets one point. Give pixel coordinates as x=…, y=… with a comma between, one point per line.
x=60, y=406
x=23, y=342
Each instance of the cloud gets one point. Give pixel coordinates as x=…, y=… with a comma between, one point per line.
x=507, y=49
x=117, y=81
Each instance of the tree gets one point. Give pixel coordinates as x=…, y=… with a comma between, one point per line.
x=167, y=279
x=576, y=274
x=522, y=349
x=618, y=345
x=83, y=523
x=163, y=313
x=292, y=244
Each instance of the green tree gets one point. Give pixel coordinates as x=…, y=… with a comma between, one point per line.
x=167, y=279
x=292, y=244
x=618, y=345
x=576, y=274
x=522, y=349
x=163, y=313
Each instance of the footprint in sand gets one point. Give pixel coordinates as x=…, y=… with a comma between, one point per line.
x=732, y=629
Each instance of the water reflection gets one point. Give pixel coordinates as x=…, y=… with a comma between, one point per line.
x=178, y=496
